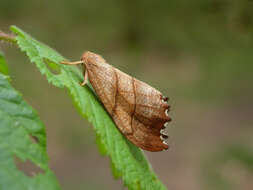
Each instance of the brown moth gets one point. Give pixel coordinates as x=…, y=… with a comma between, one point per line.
x=139, y=111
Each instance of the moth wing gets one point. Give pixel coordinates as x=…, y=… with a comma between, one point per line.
x=137, y=109
x=140, y=112
x=150, y=117
x=105, y=80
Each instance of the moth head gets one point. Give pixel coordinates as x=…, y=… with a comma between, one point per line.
x=88, y=58
x=92, y=58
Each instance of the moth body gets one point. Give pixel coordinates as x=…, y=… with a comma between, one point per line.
x=139, y=110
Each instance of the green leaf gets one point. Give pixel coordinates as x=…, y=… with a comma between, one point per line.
x=19, y=123
x=3, y=66
x=127, y=160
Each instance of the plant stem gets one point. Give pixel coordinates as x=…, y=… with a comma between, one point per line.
x=7, y=37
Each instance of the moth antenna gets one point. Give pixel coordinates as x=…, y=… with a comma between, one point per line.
x=72, y=63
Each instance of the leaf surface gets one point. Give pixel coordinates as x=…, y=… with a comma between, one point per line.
x=3, y=65
x=19, y=123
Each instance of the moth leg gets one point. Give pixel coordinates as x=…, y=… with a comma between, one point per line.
x=85, y=79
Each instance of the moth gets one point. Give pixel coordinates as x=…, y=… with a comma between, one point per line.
x=139, y=111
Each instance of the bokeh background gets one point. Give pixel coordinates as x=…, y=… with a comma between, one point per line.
x=198, y=52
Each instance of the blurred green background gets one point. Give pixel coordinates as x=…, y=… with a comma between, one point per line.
x=198, y=52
